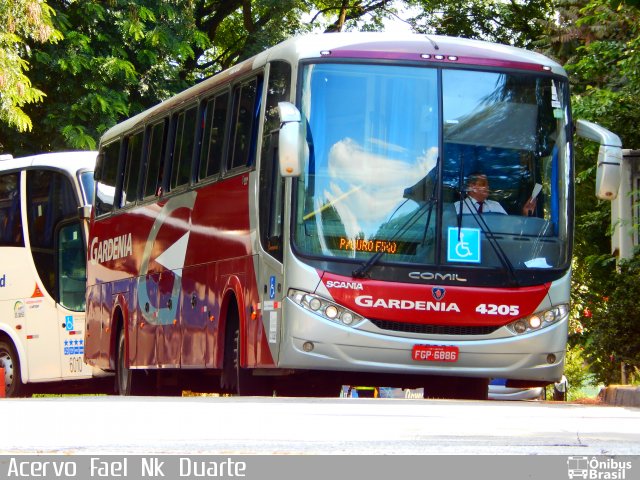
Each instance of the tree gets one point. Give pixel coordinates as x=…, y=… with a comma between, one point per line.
x=23, y=20
x=598, y=41
x=120, y=57
x=116, y=59
x=515, y=22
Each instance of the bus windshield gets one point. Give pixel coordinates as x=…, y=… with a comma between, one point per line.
x=393, y=153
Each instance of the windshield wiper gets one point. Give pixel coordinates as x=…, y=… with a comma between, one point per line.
x=497, y=248
x=362, y=270
x=495, y=244
x=419, y=190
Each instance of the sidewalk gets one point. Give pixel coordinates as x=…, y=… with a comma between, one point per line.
x=621, y=395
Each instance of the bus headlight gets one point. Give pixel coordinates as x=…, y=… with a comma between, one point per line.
x=539, y=320
x=325, y=308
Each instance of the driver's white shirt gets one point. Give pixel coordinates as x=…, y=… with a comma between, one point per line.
x=472, y=206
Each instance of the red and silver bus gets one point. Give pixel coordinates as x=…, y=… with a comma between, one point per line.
x=43, y=268
x=294, y=223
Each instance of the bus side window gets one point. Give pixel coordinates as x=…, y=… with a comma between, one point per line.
x=51, y=200
x=271, y=183
x=183, y=147
x=215, y=122
x=132, y=169
x=155, y=157
x=106, y=186
x=244, y=125
x=10, y=215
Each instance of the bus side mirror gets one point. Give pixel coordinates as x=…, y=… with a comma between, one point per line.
x=609, y=158
x=289, y=140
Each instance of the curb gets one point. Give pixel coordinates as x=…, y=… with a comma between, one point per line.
x=621, y=395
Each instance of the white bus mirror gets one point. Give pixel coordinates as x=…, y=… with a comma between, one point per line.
x=608, y=172
x=609, y=158
x=289, y=141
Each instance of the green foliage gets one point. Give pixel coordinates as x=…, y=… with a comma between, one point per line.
x=576, y=370
x=613, y=331
x=22, y=20
x=116, y=59
x=519, y=23
x=598, y=42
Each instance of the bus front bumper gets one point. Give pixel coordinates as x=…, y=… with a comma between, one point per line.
x=312, y=342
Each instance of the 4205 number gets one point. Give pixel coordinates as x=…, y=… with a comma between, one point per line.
x=492, y=309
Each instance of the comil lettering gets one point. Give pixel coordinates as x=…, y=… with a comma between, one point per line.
x=110, y=249
x=392, y=303
x=454, y=277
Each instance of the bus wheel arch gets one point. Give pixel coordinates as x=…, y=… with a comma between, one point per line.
x=234, y=378
x=230, y=320
x=119, y=321
x=119, y=347
x=10, y=361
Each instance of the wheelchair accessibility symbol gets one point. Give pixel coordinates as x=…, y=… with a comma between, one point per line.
x=464, y=247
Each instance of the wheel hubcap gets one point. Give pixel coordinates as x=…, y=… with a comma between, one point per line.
x=7, y=363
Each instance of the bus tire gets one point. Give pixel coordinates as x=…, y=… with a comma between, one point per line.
x=457, y=388
x=11, y=363
x=123, y=373
x=130, y=381
x=235, y=379
x=309, y=384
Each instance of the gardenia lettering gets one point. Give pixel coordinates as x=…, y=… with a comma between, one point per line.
x=370, y=302
x=110, y=249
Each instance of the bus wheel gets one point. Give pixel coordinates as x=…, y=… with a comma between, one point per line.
x=458, y=388
x=130, y=381
x=123, y=373
x=308, y=385
x=235, y=379
x=9, y=361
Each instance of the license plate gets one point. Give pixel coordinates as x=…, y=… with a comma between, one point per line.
x=435, y=353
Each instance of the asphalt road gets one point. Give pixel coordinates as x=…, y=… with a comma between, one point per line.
x=231, y=425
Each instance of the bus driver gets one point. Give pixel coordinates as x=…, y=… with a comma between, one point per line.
x=478, y=198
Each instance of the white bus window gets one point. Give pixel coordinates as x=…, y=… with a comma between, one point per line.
x=10, y=219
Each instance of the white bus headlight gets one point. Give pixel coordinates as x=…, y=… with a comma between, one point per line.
x=325, y=308
x=539, y=320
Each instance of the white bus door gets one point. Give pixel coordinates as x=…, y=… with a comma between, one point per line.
x=72, y=278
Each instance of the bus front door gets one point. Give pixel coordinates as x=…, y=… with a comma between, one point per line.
x=72, y=278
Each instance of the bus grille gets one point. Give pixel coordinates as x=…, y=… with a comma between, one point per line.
x=434, y=329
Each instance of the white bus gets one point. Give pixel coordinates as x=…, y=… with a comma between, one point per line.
x=43, y=200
